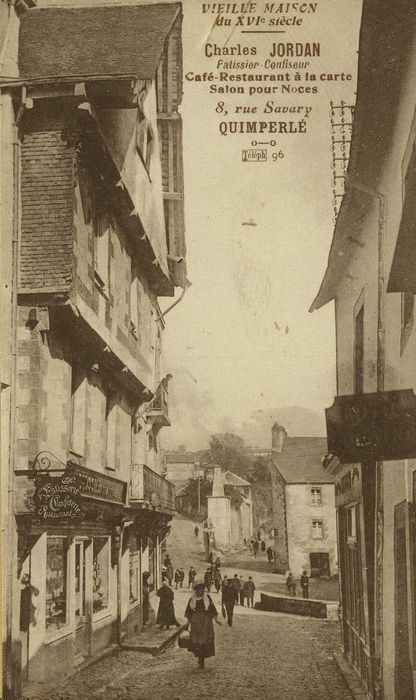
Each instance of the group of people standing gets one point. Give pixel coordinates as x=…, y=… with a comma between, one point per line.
x=291, y=584
x=234, y=592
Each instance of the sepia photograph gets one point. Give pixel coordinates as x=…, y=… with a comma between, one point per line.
x=208, y=351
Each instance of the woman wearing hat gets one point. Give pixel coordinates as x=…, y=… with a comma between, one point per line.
x=166, y=613
x=200, y=612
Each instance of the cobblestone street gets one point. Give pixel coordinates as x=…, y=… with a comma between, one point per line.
x=264, y=655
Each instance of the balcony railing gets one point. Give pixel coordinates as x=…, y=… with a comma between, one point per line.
x=158, y=412
x=148, y=487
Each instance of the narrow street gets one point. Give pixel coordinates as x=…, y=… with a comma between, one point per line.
x=264, y=655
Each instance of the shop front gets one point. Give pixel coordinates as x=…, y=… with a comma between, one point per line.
x=69, y=524
x=372, y=440
x=143, y=538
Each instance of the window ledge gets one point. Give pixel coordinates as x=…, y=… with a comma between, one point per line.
x=108, y=468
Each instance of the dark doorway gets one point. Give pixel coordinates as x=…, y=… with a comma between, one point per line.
x=319, y=565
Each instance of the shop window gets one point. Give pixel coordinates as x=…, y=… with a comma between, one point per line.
x=134, y=569
x=56, y=583
x=351, y=524
x=316, y=496
x=317, y=529
x=359, y=351
x=100, y=580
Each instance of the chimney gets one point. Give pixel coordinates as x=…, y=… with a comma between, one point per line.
x=278, y=438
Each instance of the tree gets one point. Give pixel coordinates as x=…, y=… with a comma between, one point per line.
x=228, y=450
x=190, y=491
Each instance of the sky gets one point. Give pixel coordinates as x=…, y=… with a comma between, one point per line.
x=233, y=369
x=242, y=347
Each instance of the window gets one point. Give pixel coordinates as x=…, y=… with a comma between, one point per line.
x=316, y=496
x=134, y=304
x=102, y=237
x=56, y=583
x=100, y=574
x=78, y=410
x=111, y=429
x=134, y=569
x=144, y=141
x=317, y=529
x=359, y=351
x=407, y=318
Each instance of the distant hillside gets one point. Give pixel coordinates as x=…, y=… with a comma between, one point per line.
x=195, y=416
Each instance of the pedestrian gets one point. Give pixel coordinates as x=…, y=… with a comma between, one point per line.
x=241, y=592
x=208, y=579
x=304, y=584
x=201, y=612
x=146, y=590
x=228, y=599
x=191, y=577
x=169, y=569
x=237, y=585
x=217, y=579
x=181, y=576
x=269, y=553
x=218, y=562
x=177, y=578
x=224, y=582
x=196, y=531
x=255, y=548
x=249, y=589
x=263, y=546
x=166, y=613
x=291, y=585
x=211, y=557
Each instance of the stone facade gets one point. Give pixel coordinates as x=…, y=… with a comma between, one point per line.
x=371, y=279
x=88, y=252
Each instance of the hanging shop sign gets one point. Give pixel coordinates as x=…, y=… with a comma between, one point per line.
x=58, y=497
x=99, y=486
x=378, y=426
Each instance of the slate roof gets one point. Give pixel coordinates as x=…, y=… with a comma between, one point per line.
x=301, y=461
x=234, y=479
x=101, y=41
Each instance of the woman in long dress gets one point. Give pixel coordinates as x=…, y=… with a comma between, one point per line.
x=201, y=612
x=166, y=612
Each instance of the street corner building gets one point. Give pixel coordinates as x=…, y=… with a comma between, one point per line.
x=92, y=234
x=371, y=427
x=304, y=519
